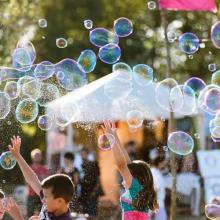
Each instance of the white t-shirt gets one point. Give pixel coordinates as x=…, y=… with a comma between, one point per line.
x=159, y=186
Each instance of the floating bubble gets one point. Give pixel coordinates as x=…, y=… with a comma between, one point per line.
x=61, y=42
x=151, y=5
x=216, y=77
x=209, y=99
x=7, y=160
x=215, y=34
x=42, y=23
x=106, y=141
x=5, y=105
x=32, y=88
x=188, y=98
x=60, y=75
x=143, y=74
x=135, y=118
x=171, y=101
x=212, y=67
x=48, y=93
x=212, y=211
x=21, y=59
x=110, y=53
x=74, y=76
x=29, y=48
x=101, y=36
x=45, y=122
x=26, y=111
x=197, y=136
x=87, y=60
x=88, y=24
x=165, y=148
x=190, y=57
x=44, y=70
x=11, y=88
x=117, y=84
x=123, y=27
x=196, y=84
x=180, y=143
x=214, y=128
x=189, y=43
x=171, y=36
x=121, y=66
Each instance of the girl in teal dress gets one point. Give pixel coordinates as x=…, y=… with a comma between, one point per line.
x=139, y=199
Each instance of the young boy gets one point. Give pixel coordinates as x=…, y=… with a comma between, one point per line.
x=9, y=205
x=56, y=191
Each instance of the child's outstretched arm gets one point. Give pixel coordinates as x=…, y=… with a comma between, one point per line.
x=13, y=210
x=120, y=154
x=29, y=175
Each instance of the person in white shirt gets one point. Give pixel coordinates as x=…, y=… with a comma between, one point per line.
x=159, y=163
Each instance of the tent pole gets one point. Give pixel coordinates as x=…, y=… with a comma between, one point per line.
x=171, y=122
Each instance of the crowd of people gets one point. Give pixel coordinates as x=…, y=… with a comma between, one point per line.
x=74, y=189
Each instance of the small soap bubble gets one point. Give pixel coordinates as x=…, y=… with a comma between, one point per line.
x=88, y=24
x=212, y=67
x=42, y=23
x=151, y=5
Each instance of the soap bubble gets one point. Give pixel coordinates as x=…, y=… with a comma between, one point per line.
x=189, y=43
x=216, y=77
x=212, y=67
x=44, y=70
x=11, y=88
x=7, y=160
x=196, y=84
x=180, y=143
x=110, y=53
x=61, y=42
x=101, y=36
x=215, y=34
x=171, y=36
x=5, y=105
x=45, y=122
x=88, y=24
x=42, y=23
x=152, y=5
x=26, y=111
x=121, y=66
x=106, y=141
x=143, y=74
x=123, y=27
x=212, y=211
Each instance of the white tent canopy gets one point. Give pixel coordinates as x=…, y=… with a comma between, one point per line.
x=110, y=97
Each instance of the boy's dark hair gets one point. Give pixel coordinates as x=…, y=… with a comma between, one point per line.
x=2, y=195
x=61, y=185
x=69, y=156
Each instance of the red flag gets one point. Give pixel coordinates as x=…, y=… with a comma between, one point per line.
x=188, y=5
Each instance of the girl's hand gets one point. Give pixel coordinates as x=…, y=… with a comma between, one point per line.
x=15, y=146
x=109, y=127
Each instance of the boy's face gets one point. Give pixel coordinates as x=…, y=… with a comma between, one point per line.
x=2, y=210
x=52, y=204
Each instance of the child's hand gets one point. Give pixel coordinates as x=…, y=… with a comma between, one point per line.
x=10, y=204
x=109, y=127
x=34, y=217
x=15, y=146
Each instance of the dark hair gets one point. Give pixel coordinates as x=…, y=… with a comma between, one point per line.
x=2, y=195
x=69, y=156
x=147, y=197
x=158, y=160
x=61, y=185
x=130, y=143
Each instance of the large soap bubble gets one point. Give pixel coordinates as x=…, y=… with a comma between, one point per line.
x=110, y=53
x=87, y=60
x=48, y=93
x=143, y=74
x=7, y=160
x=180, y=143
x=5, y=105
x=101, y=36
x=123, y=27
x=44, y=70
x=121, y=66
x=32, y=88
x=189, y=43
x=26, y=111
x=73, y=76
x=11, y=88
x=196, y=84
x=212, y=211
x=171, y=101
x=215, y=34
